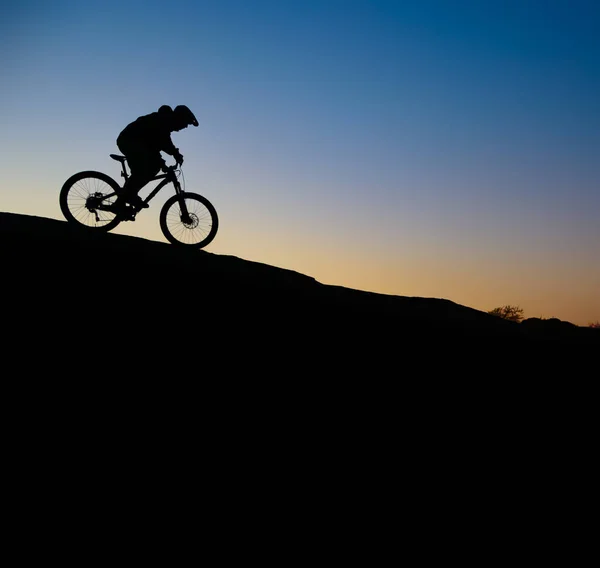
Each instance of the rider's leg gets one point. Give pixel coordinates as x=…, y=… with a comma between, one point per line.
x=144, y=166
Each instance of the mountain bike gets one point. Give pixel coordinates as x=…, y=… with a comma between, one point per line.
x=87, y=199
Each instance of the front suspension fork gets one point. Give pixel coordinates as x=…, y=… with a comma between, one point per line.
x=184, y=213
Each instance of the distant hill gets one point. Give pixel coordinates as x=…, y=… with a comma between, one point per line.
x=95, y=285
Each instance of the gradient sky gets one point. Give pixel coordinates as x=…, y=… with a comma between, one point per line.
x=431, y=148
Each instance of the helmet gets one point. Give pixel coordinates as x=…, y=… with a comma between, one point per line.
x=185, y=115
x=165, y=110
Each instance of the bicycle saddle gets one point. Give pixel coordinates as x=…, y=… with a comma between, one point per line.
x=118, y=158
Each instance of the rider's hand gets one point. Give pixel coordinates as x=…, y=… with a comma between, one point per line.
x=178, y=158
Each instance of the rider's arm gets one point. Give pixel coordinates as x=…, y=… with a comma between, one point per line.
x=168, y=147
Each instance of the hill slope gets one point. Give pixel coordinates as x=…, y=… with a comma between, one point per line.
x=108, y=283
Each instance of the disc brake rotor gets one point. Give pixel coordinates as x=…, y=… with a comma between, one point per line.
x=191, y=222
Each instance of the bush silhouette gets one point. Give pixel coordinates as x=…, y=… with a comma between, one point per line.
x=511, y=313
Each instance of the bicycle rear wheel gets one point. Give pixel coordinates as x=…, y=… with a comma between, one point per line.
x=84, y=197
x=196, y=227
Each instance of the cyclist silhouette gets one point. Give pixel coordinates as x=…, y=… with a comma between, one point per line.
x=142, y=141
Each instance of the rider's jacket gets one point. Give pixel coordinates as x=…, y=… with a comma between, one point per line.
x=151, y=133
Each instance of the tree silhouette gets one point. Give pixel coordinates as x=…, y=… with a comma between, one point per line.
x=511, y=313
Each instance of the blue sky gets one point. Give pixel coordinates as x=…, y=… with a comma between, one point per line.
x=428, y=148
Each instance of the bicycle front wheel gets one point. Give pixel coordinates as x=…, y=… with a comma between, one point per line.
x=84, y=198
x=189, y=219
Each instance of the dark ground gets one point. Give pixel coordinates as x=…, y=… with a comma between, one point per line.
x=123, y=356
x=97, y=283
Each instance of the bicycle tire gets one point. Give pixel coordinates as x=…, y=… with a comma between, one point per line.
x=197, y=234
x=75, y=197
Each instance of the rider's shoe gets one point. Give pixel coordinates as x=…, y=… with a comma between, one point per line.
x=138, y=202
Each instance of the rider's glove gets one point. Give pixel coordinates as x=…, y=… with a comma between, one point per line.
x=178, y=158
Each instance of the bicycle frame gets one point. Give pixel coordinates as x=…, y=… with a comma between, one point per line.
x=168, y=177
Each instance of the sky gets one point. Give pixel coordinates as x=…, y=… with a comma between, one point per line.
x=432, y=148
